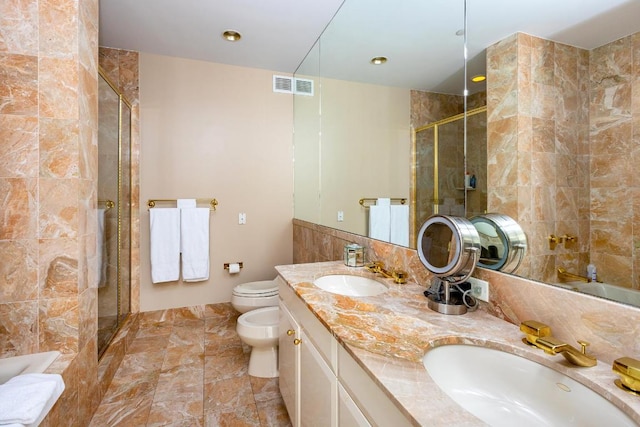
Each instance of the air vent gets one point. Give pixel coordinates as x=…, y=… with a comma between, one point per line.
x=284, y=84
x=304, y=87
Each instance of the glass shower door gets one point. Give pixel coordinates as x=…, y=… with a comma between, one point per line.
x=113, y=241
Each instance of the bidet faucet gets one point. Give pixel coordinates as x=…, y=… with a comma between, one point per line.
x=398, y=276
x=539, y=335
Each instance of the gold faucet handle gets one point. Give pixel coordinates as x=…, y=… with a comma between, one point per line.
x=629, y=371
x=399, y=276
x=583, y=346
x=535, y=328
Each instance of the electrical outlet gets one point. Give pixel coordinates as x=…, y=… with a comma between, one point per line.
x=479, y=289
x=340, y=216
x=242, y=218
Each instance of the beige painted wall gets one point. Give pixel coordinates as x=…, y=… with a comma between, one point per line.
x=213, y=130
x=362, y=134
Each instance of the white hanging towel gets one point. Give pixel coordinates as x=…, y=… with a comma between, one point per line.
x=165, y=244
x=380, y=220
x=186, y=203
x=399, y=225
x=194, y=243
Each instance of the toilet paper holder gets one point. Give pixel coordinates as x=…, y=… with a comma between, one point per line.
x=226, y=264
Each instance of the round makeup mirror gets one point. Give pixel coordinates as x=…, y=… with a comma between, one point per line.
x=449, y=247
x=503, y=242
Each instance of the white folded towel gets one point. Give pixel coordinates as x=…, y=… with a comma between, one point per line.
x=26, y=399
x=194, y=244
x=399, y=220
x=380, y=220
x=186, y=203
x=165, y=244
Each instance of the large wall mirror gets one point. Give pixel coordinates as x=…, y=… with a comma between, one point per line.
x=554, y=148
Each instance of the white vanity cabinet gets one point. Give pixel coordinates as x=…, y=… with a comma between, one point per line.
x=318, y=387
x=308, y=381
x=348, y=412
x=289, y=361
x=319, y=379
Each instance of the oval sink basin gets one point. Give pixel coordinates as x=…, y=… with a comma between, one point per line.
x=353, y=286
x=503, y=389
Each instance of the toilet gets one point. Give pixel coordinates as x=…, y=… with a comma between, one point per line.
x=258, y=325
x=259, y=329
x=249, y=296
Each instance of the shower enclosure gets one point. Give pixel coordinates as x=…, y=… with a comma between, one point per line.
x=113, y=242
x=441, y=162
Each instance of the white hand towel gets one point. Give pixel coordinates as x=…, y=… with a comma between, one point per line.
x=383, y=201
x=399, y=225
x=380, y=220
x=165, y=244
x=101, y=250
x=186, y=203
x=194, y=244
x=26, y=399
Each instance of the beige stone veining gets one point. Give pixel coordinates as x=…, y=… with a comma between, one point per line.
x=389, y=334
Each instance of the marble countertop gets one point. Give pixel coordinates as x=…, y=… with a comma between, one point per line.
x=388, y=335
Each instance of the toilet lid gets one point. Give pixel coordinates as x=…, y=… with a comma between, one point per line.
x=262, y=288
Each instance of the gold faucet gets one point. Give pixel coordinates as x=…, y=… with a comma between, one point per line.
x=398, y=276
x=629, y=371
x=565, y=276
x=539, y=335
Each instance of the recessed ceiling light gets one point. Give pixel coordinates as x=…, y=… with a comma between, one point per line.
x=231, y=36
x=378, y=60
x=478, y=78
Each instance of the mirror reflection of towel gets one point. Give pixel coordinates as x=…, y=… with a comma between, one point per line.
x=399, y=224
x=380, y=222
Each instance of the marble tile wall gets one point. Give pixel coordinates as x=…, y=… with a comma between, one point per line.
x=48, y=128
x=538, y=147
x=610, y=327
x=614, y=135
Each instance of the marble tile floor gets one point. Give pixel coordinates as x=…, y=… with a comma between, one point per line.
x=188, y=367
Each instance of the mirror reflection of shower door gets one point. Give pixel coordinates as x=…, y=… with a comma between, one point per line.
x=451, y=176
x=439, y=158
x=424, y=176
x=113, y=242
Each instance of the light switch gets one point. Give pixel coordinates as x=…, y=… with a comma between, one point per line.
x=242, y=218
x=340, y=216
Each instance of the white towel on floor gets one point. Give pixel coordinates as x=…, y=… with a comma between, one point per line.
x=399, y=220
x=194, y=244
x=165, y=244
x=25, y=398
x=380, y=220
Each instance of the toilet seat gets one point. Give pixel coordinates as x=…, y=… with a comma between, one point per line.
x=259, y=289
x=251, y=295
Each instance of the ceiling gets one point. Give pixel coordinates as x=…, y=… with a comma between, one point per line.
x=418, y=36
x=276, y=34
